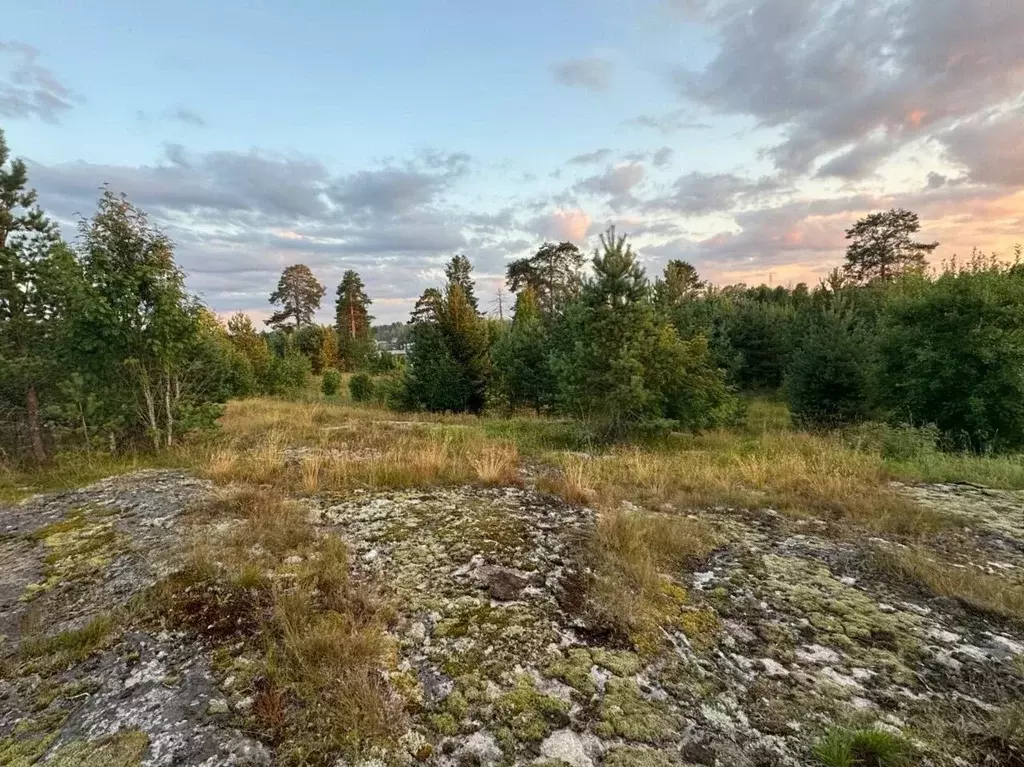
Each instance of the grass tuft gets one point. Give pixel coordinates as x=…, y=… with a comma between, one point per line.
x=867, y=747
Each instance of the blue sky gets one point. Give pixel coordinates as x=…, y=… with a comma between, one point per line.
x=743, y=136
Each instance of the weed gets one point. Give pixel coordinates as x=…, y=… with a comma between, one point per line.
x=867, y=747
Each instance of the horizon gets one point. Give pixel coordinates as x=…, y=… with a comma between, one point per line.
x=742, y=137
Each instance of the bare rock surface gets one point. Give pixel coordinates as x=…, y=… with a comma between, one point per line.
x=788, y=629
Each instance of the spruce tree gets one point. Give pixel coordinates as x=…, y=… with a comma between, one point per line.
x=459, y=272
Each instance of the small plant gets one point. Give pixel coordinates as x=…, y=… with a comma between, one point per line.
x=330, y=385
x=867, y=747
x=361, y=387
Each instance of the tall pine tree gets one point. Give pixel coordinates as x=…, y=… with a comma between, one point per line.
x=298, y=293
x=352, y=319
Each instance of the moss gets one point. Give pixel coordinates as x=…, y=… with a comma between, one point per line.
x=30, y=739
x=701, y=627
x=619, y=662
x=444, y=724
x=574, y=669
x=528, y=714
x=637, y=756
x=78, y=547
x=626, y=713
x=123, y=749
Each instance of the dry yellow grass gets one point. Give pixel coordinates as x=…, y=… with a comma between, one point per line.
x=629, y=554
x=966, y=583
x=796, y=473
x=323, y=651
x=496, y=465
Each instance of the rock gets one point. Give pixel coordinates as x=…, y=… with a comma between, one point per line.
x=816, y=653
x=217, y=706
x=773, y=668
x=481, y=748
x=503, y=583
x=566, y=746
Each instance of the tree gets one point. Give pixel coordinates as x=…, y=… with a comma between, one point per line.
x=827, y=377
x=135, y=325
x=680, y=282
x=553, y=273
x=298, y=293
x=427, y=307
x=522, y=370
x=449, y=361
x=458, y=272
x=881, y=246
x=951, y=353
x=620, y=363
x=352, y=319
x=29, y=314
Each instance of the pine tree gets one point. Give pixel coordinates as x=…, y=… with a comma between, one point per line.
x=882, y=247
x=426, y=308
x=679, y=283
x=352, y=319
x=522, y=371
x=553, y=273
x=298, y=293
x=29, y=314
x=459, y=272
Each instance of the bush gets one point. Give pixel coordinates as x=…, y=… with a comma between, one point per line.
x=951, y=352
x=331, y=382
x=287, y=375
x=361, y=387
x=826, y=383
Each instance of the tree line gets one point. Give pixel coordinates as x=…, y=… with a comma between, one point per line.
x=102, y=346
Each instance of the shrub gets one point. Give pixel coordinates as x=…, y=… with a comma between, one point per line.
x=826, y=383
x=951, y=352
x=331, y=382
x=361, y=387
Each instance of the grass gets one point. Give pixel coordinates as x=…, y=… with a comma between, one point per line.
x=270, y=582
x=983, y=592
x=628, y=594
x=69, y=647
x=865, y=747
x=70, y=470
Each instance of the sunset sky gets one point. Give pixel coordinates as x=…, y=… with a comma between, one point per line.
x=743, y=136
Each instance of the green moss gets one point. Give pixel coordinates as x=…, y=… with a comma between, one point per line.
x=637, y=756
x=528, y=714
x=846, y=617
x=627, y=714
x=701, y=627
x=444, y=724
x=78, y=547
x=30, y=739
x=574, y=670
x=123, y=749
x=619, y=662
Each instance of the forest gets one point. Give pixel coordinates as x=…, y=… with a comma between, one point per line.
x=103, y=348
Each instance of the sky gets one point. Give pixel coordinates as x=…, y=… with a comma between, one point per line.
x=744, y=136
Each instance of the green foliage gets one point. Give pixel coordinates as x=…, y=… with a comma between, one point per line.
x=298, y=293
x=827, y=379
x=361, y=387
x=449, y=363
x=459, y=272
x=951, y=353
x=552, y=274
x=881, y=246
x=288, y=375
x=619, y=363
x=862, y=748
x=522, y=369
x=330, y=384
x=352, y=320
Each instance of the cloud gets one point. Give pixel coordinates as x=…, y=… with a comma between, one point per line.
x=616, y=183
x=669, y=123
x=29, y=90
x=862, y=76
x=990, y=147
x=591, y=74
x=562, y=225
x=663, y=157
x=188, y=117
x=598, y=155
x=698, y=193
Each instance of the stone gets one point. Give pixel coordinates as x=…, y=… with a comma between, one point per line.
x=566, y=746
x=217, y=706
x=481, y=748
x=773, y=668
x=503, y=584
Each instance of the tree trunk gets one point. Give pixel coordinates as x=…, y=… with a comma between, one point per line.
x=154, y=426
x=35, y=432
x=167, y=408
